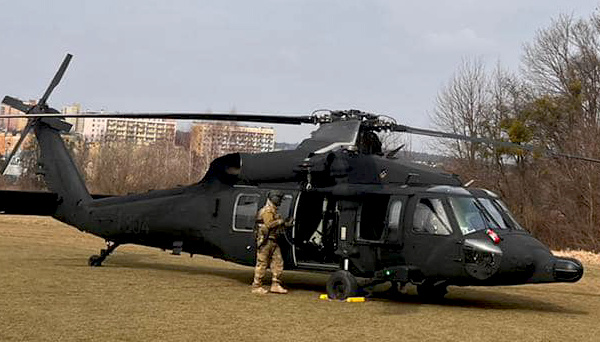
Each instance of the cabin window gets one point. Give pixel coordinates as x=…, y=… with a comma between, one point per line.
x=394, y=216
x=430, y=217
x=394, y=220
x=244, y=213
x=372, y=219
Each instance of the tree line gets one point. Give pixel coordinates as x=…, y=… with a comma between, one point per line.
x=552, y=103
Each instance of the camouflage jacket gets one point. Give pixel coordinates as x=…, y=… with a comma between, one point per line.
x=268, y=223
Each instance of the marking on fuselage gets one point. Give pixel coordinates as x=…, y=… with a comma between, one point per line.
x=133, y=226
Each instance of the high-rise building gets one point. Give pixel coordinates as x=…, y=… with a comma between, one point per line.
x=217, y=139
x=77, y=123
x=92, y=129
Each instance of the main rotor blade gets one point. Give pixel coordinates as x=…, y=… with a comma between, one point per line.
x=16, y=104
x=572, y=156
x=438, y=134
x=274, y=119
x=56, y=80
x=17, y=145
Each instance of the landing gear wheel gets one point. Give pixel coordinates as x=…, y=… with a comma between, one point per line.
x=95, y=260
x=341, y=285
x=431, y=291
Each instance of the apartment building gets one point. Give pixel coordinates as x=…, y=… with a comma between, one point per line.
x=216, y=139
x=140, y=131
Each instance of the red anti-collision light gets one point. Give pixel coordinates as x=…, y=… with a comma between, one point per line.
x=492, y=234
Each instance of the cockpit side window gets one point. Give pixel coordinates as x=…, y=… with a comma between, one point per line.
x=430, y=217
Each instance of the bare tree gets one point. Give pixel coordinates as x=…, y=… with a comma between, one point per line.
x=123, y=167
x=563, y=60
x=460, y=107
x=553, y=104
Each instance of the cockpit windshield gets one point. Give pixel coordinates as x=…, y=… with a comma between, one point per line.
x=475, y=214
x=509, y=215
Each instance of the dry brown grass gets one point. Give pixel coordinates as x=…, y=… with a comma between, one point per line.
x=586, y=257
x=48, y=293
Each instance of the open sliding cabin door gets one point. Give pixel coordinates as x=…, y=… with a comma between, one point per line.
x=315, y=232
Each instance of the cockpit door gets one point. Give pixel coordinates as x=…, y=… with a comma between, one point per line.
x=431, y=242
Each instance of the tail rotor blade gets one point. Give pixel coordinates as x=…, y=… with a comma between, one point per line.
x=17, y=145
x=16, y=104
x=56, y=79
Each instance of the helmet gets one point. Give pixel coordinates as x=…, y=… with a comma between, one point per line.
x=275, y=196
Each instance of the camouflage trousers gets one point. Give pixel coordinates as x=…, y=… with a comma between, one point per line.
x=269, y=254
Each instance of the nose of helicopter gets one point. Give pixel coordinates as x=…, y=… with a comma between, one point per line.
x=567, y=270
x=526, y=260
x=556, y=269
x=549, y=268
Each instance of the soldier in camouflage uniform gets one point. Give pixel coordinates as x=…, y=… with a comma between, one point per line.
x=269, y=225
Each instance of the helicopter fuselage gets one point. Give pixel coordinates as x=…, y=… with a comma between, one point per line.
x=399, y=233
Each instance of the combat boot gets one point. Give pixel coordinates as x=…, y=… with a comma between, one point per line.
x=259, y=290
x=277, y=288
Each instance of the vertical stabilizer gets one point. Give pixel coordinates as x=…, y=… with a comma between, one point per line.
x=60, y=172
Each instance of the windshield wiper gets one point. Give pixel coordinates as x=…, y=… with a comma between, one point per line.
x=485, y=213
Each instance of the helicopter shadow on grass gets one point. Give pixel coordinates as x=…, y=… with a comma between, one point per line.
x=294, y=280
x=315, y=282
x=480, y=299
x=570, y=293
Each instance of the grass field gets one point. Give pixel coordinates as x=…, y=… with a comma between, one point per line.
x=48, y=293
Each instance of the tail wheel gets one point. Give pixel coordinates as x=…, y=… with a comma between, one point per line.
x=95, y=260
x=341, y=285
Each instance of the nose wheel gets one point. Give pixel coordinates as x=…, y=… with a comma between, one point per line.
x=96, y=260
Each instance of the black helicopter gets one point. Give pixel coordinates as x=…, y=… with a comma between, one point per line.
x=357, y=212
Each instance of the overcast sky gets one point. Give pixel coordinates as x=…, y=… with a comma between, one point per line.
x=263, y=56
